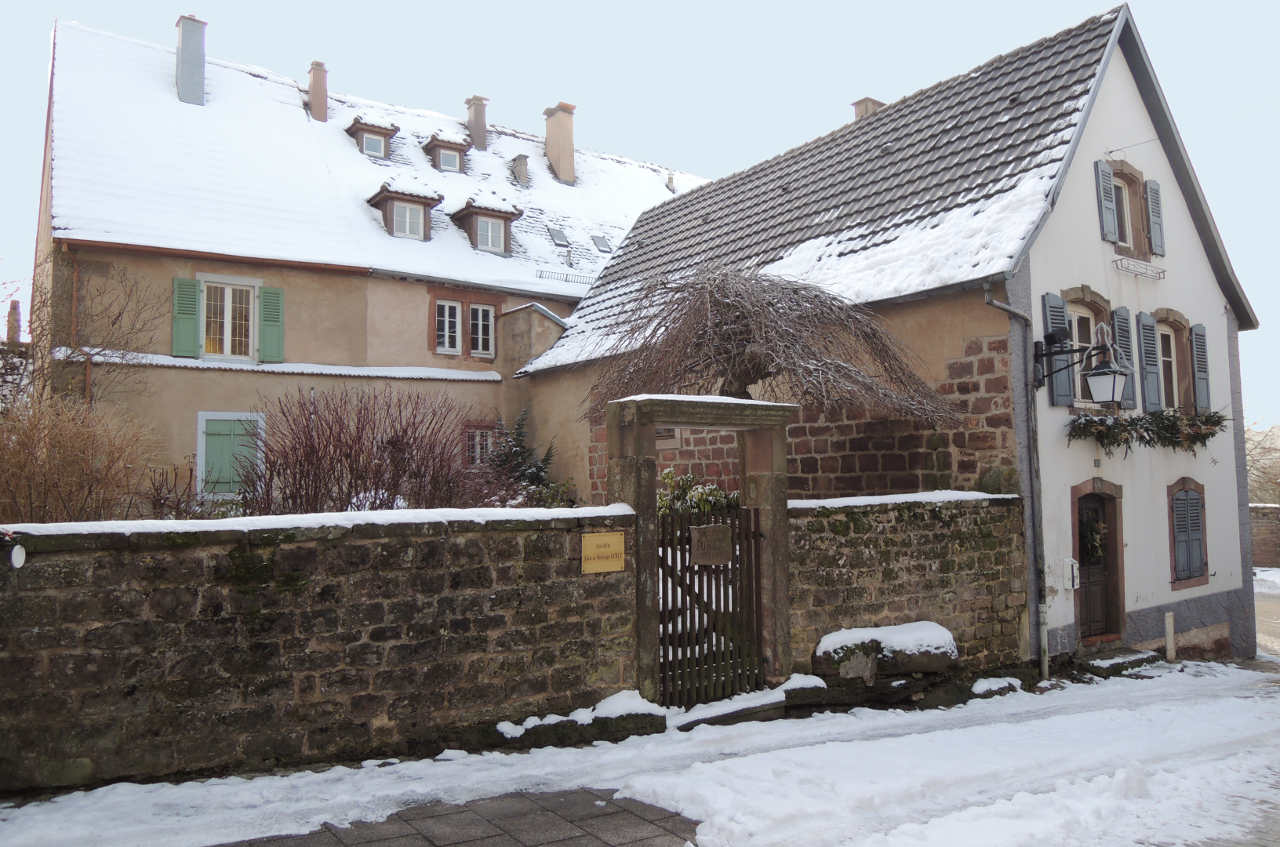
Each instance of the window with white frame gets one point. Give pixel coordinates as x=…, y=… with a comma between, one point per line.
x=372, y=144
x=447, y=329
x=450, y=160
x=406, y=220
x=482, y=330
x=479, y=442
x=1167, y=344
x=491, y=234
x=228, y=320
x=226, y=446
x=1080, y=320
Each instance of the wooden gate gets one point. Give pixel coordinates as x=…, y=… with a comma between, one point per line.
x=709, y=614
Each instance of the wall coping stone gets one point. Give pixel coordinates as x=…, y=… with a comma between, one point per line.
x=938, y=498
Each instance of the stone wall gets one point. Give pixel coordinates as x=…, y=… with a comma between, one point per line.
x=153, y=654
x=711, y=456
x=959, y=563
x=1266, y=534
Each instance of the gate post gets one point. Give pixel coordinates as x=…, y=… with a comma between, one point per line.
x=764, y=476
x=633, y=479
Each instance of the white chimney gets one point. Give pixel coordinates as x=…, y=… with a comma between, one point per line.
x=190, y=70
x=864, y=107
x=476, y=124
x=559, y=141
x=318, y=92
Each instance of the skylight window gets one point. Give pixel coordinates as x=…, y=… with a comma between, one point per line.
x=602, y=244
x=450, y=160
x=558, y=237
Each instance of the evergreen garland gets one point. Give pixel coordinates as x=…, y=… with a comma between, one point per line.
x=1167, y=428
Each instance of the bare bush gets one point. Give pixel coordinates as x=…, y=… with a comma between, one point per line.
x=1262, y=458
x=724, y=331
x=62, y=459
x=345, y=450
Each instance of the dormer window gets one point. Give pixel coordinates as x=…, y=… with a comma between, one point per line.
x=373, y=145
x=405, y=214
x=406, y=219
x=446, y=150
x=374, y=140
x=450, y=160
x=491, y=234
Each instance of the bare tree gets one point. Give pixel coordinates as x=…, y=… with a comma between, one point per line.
x=90, y=320
x=1262, y=458
x=724, y=331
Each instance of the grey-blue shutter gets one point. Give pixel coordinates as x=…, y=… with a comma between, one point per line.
x=1055, y=318
x=1106, y=201
x=1200, y=368
x=1122, y=333
x=1155, y=218
x=1148, y=362
x=1188, y=535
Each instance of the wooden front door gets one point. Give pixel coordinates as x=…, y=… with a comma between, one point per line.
x=1095, y=565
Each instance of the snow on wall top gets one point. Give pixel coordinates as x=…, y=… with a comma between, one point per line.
x=917, y=637
x=941, y=187
x=250, y=174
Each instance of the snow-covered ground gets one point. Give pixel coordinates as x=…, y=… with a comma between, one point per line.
x=1184, y=756
x=1266, y=580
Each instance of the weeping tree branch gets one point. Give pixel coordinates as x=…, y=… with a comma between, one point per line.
x=723, y=331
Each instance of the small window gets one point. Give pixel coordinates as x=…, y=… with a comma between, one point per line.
x=602, y=244
x=1122, y=213
x=1189, y=556
x=226, y=443
x=228, y=320
x=372, y=144
x=447, y=327
x=1080, y=320
x=490, y=234
x=406, y=220
x=1168, y=368
x=558, y=237
x=479, y=442
x=482, y=330
x=450, y=160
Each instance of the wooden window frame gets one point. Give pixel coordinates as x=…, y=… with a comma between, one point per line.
x=492, y=223
x=458, y=330
x=440, y=156
x=493, y=329
x=254, y=285
x=366, y=137
x=471, y=458
x=1083, y=300
x=1186, y=483
x=1135, y=196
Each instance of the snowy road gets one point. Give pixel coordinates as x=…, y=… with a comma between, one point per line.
x=1184, y=757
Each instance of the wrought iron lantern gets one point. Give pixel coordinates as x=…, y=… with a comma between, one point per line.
x=1108, y=369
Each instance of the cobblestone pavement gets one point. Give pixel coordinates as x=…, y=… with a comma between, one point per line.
x=585, y=818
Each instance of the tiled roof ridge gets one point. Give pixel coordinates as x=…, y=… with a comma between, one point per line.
x=692, y=194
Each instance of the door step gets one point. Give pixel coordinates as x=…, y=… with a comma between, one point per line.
x=1117, y=661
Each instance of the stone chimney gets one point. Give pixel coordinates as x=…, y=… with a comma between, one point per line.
x=559, y=141
x=476, y=123
x=864, y=107
x=520, y=169
x=15, y=322
x=190, y=70
x=318, y=92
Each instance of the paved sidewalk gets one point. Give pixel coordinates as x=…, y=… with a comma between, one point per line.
x=585, y=818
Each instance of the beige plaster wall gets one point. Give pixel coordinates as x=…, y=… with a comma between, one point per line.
x=558, y=400
x=936, y=329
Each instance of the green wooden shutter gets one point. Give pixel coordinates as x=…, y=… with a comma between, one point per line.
x=271, y=325
x=227, y=443
x=1122, y=333
x=1149, y=362
x=1055, y=319
x=186, y=318
x=1155, y=218
x=1106, y=201
x=1200, y=368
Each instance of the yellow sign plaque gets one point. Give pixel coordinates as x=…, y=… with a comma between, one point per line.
x=603, y=552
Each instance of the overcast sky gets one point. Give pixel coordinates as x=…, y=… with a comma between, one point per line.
x=708, y=88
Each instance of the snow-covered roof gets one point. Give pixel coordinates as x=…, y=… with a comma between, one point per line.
x=942, y=187
x=251, y=174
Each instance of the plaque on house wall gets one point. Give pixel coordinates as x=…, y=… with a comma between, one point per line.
x=711, y=544
x=603, y=552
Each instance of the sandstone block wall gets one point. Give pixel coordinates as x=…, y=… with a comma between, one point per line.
x=1266, y=534
x=959, y=563
x=155, y=654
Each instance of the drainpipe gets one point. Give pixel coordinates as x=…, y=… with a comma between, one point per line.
x=1031, y=496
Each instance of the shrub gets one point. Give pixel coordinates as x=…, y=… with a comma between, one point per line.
x=347, y=449
x=62, y=459
x=684, y=495
x=518, y=476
